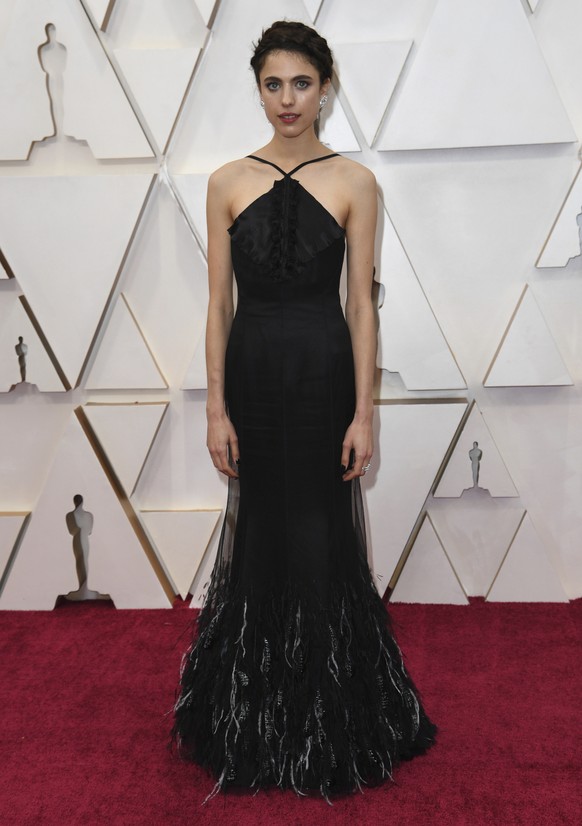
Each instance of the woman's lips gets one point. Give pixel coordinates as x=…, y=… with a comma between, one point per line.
x=288, y=118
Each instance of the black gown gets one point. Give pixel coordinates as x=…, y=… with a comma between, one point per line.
x=293, y=677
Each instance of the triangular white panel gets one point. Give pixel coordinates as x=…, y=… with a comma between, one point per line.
x=195, y=378
x=335, y=128
x=493, y=474
x=31, y=427
x=476, y=530
x=98, y=9
x=124, y=360
x=192, y=190
x=179, y=474
x=313, y=7
x=40, y=371
x=166, y=268
x=206, y=8
x=410, y=340
x=564, y=239
x=410, y=443
x=368, y=75
x=151, y=24
x=44, y=567
x=508, y=101
x=10, y=525
x=533, y=4
x=427, y=575
x=528, y=354
x=158, y=79
x=181, y=538
x=126, y=433
x=81, y=227
x=199, y=586
x=527, y=575
x=95, y=106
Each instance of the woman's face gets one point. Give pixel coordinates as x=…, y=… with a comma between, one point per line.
x=290, y=86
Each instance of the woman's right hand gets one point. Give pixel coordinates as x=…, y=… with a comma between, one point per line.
x=221, y=437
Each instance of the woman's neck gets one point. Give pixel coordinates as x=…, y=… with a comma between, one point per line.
x=289, y=151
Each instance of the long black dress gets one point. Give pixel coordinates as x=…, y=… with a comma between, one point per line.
x=294, y=677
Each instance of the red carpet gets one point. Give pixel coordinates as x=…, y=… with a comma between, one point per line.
x=83, y=726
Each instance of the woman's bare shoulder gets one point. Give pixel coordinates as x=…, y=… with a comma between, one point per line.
x=356, y=174
x=226, y=175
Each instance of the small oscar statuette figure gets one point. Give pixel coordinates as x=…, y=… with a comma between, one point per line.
x=53, y=59
x=21, y=351
x=475, y=455
x=80, y=525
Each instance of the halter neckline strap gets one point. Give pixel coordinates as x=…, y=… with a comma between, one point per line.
x=286, y=174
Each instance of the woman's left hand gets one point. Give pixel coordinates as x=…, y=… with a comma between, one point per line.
x=359, y=439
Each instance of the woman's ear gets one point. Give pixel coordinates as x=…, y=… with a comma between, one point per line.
x=325, y=86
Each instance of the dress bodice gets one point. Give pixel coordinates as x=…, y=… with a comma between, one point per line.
x=283, y=229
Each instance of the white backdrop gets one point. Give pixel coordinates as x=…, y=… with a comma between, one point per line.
x=469, y=112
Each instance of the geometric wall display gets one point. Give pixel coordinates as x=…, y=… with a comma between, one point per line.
x=139, y=24
x=181, y=538
x=126, y=433
x=493, y=475
x=428, y=576
x=99, y=9
x=526, y=574
x=410, y=340
x=476, y=531
x=533, y=4
x=158, y=79
x=85, y=224
x=313, y=7
x=124, y=359
x=39, y=369
x=466, y=87
x=206, y=9
x=179, y=474
x=192, y=189
x=368, y=74
x=31, y=425
x=10, y=529
x=44, y=566
x=165, y=280
x=563, y=242
x=410, y=443
x=195, y=378
x=201, y=580
x=156, y=46
x=527, y=354
x=335, y=127
x=95, y=106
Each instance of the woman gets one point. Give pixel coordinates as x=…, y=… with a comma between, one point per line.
x=295, y=678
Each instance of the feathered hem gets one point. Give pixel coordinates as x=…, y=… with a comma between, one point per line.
x=281, y=691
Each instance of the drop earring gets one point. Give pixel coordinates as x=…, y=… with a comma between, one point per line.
x=323, y=101
x=262, y=103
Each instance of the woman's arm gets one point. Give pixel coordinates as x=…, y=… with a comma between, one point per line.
x=221, y=435
x=360, y=235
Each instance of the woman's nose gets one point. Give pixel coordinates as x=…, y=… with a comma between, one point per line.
x=288, y=95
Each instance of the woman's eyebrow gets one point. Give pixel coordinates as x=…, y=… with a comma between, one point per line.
x=297, y=77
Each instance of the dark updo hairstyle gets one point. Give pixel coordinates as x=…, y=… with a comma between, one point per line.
x=293, y=36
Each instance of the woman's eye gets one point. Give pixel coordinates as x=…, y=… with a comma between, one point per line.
x=305, y=84
x=272, y=85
